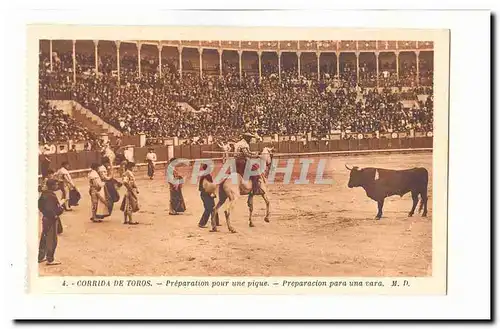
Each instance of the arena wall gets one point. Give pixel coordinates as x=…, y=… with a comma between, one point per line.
x=81, y=161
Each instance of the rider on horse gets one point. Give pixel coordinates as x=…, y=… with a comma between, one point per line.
x=242, y=153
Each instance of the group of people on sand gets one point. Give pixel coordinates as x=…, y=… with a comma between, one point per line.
x=104, y=193
x=52, y=207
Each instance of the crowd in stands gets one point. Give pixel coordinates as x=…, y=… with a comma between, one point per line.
x=56, y=126
x=166, y=105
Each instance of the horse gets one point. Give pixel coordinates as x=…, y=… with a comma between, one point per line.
x=231, y=187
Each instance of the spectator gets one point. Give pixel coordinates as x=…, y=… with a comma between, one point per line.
x=192, y=108
x=51, y=209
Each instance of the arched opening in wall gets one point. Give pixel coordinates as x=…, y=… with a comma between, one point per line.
x=149, y=58
x=426, y=66
x=62, y=55
x=44, y=55
x=250, y=63
x=128, y=61
x=387, y=69
x=408, y=68
x=85, y=57
x=170, y=60
x=230, y=63
x=190, y=61
x=348, y=68
x=289, y=63
x=269, y=63
x=368, y=70
x=210, y=62
x=309, y=65
x=328, y=65
x=107, y=57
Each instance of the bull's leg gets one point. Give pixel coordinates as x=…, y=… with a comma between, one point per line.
x=266, y=200
x=421, y=205
x=423, y=196
x=380, y=206
x=250, y=209
x=414, y=196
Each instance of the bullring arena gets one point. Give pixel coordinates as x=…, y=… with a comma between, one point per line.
x=314, y=230
x=354, y=102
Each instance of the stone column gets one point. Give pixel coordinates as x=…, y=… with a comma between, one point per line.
x=299, y=53
x=200, y=51
x=397, y=64
x=318, y=57
x=96, y=56
x=378, y=69
x=240, y=55
x=357, y=67
x=417, y=54
x=279, y=65
x=50, y=57
x=220, y=50
x=74, y=61
x=160, y=48
x=180, y=60
x=259, y=53
x=338, y=63
x=117, y=43
x=139, y=46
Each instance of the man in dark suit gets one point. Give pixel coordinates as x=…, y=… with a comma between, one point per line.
x=206, y=198
x=51, y=208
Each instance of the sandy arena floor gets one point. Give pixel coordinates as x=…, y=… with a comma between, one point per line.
x=315, y=230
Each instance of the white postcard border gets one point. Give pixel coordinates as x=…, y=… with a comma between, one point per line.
x=437, y=19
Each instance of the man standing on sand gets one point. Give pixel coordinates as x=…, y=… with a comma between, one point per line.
x=151, y=160
x=207, y=199
x=130, y=203
x=44, y=161
x=43, y=187
x=65, y=183
x=96, y=192
x=51, y=208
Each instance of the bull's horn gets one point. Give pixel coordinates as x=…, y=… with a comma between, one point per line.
x=348, y=168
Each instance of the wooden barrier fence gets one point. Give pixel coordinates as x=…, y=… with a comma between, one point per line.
x=82, y=160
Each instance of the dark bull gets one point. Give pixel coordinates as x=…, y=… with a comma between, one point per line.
x=381, y=183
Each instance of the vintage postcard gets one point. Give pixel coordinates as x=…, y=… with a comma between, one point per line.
x=227, y=160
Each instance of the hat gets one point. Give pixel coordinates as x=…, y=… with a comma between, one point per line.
x=52, y=184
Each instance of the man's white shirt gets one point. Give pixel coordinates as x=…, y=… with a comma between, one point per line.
x=151, y=156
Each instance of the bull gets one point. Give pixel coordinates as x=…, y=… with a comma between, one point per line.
x=381, y=183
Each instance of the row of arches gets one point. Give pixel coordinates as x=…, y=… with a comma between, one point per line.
x=104, y=55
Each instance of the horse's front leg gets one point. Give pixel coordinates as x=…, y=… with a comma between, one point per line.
x=228, y=215
x=266, y=200
x=250, y=209
x=214, y=218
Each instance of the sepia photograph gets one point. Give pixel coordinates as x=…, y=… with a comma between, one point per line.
x=240, y=158
x=177, y=164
